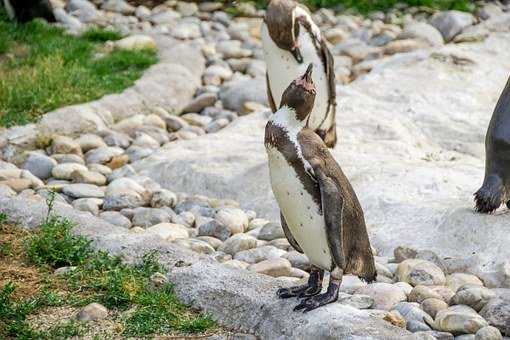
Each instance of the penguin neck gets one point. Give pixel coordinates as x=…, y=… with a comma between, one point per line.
x=286, y=119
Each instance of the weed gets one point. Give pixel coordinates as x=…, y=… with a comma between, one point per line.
x=54, y=245
x=100, y=35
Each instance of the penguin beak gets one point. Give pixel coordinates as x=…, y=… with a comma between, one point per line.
x=296, y=53
x=307, y=77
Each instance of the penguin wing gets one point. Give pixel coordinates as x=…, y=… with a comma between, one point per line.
x=332, y=207
x=270, y=99
x=288, y=234
x=328, y=61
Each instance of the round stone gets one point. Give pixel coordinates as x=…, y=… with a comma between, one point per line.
x=116, y=218
x=237, y=243
x=473, y=296
x=83, y=191
x=40, y=165
x=488, y=333
x=420, y=293
x=271, y=231
x=459, y=320
x=385, y=295
x=169, y=231
x=420, y=272
x=92, y=312
x=457, y=280
x=64, y=171
x=273, y=267
x=432, y=306
x=234, y=219
x=259, y=254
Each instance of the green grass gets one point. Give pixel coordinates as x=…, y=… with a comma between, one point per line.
x=42, y=68
x=367, y=6
x=125, y=289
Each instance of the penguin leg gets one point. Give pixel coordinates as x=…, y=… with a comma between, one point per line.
x=313, y=286
x=331, y=295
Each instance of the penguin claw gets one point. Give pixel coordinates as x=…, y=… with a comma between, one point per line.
x=316, y=301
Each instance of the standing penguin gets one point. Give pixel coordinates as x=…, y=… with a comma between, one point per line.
x=320, y=213
x=496, y=184
x=291, y=41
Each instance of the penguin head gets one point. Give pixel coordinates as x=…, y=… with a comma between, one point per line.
x=300, y=95
x=282, y=26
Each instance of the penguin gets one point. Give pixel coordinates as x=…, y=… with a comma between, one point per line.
x=26, y=10
x=291, y=40
x=320, y=213
x=496, y=184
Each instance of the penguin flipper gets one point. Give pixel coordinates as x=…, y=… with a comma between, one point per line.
x=270, y=99
x=332, y=208
x=288, y=234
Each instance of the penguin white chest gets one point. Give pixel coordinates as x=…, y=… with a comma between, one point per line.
x=282, y=69
x=299, y=209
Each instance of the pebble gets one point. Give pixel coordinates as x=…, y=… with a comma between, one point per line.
x=212, y=241
x=88, y=177
x=102, y=155
x=395, y=318
x=237, y=243
x=89, y=141
x=422, y=31
x=459, y=319
x=232, y=218
x=40, y=165
x=385, y=295
x=473, y=296
x=416, y=319
x=215, y=229
x=432, y=306
x=169, y=231
x=146, y=217
x=420, y=293
x=65, y=145
x=88, y=204
x=68, y=158
x=488, y=333
x=163, y=198
x=200, y=102
x=115, y=218
x=93, y=311
x=420, y=272
x=81, y=190
x=457, y=280
x=357, y=300
x=271, y=231
x=259, y=254
x=451, y=23
x=236, y=264
x=158, y=280
x=65, y=171
x=497, y=313
x=273, y=267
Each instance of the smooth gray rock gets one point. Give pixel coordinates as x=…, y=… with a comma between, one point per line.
x=417, y=320
x=459, y=320
x=259, y=254
x=81, y=190
x=237, y=93
x=422, y=31
x=116, y=218
x=39, y=165
x=271, y=231
x=488, y=333
x=215, y=229
x=93, y=311
x=451, y=23
x=147, y=217
x=497, y=313
x=474, y=297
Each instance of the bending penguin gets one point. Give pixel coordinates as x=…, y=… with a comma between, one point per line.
x=26, y=10
x=496, y=184
x=291, y=41
x=320, y=213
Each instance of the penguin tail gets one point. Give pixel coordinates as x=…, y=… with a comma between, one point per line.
x=489, y=197
x=362, y=266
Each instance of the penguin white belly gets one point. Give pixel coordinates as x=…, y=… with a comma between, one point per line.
x=300, y=211
x=282, y=69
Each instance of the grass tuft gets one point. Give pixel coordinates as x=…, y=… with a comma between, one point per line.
x=100, y=35
x=43, y=68
x=126, y=289
x=54, y=245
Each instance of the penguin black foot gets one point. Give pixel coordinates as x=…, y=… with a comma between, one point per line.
x=488, y=198
x=313, y=287
x=316, y=301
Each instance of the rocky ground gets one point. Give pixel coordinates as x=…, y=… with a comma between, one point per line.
x=132, y=168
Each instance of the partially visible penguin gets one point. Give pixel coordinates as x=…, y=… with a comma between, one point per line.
x=496, y=184
x=291, y=41
x=26, y=10
x=320, y=213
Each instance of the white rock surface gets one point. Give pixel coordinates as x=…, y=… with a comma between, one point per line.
x=411, y=143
